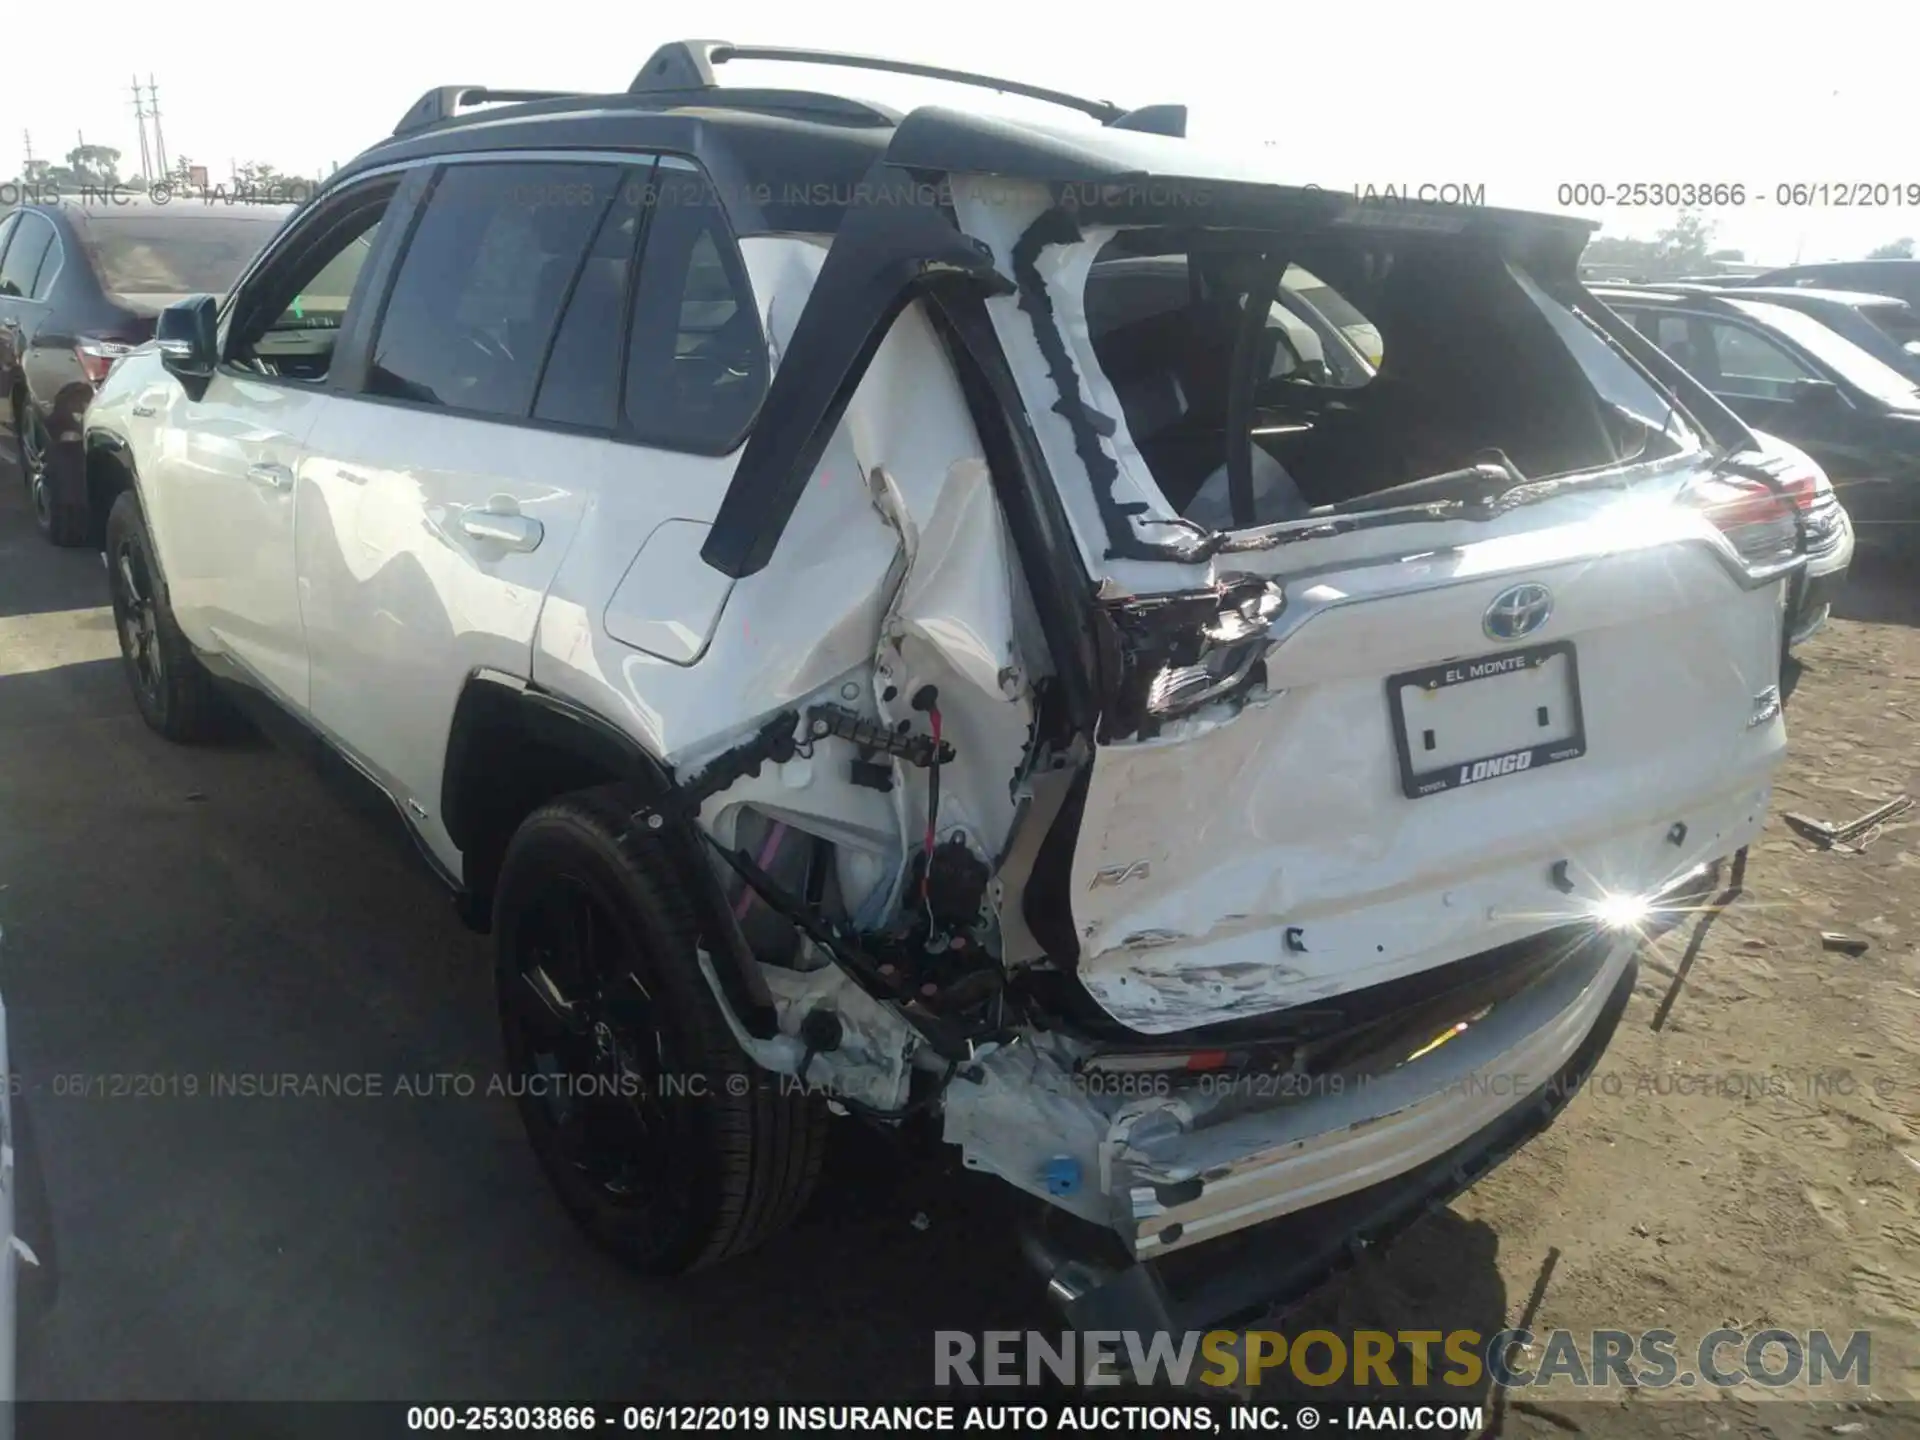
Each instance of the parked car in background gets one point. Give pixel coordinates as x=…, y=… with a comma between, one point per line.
x=1885, y=326
x=80, y=285
x=1788, y=374
x=1875, y=277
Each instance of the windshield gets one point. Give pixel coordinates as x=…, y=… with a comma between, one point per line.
x=1852, y=363
x=173, y=254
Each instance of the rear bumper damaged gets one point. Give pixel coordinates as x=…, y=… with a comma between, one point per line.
x=1177, y=1181
x=1330, y=1182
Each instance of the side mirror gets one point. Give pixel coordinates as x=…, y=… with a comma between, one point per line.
x=187, y=335
x=1817, y=395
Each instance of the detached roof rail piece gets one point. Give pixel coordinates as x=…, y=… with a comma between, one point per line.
x=445, y=101
x=688, y=65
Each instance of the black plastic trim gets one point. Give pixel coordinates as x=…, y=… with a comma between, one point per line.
x=896, y=243
x=555, y=721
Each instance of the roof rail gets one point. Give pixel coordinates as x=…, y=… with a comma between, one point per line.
x=445, y=101
x=688, y=65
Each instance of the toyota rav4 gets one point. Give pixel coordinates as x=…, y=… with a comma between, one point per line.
x=924, y=617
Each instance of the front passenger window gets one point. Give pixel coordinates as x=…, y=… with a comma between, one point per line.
x=1752, y=366
x=289, y=316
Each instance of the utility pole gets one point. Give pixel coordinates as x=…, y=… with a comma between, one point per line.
x=140, y=119
x=153, y=108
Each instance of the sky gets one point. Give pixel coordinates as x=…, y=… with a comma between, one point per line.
x=1518, y=99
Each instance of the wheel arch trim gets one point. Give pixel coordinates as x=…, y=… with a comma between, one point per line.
x=494, y=701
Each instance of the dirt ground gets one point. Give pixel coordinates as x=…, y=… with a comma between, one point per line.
x=1755, y=1162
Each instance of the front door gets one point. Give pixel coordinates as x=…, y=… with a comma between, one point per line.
x=222, y=505
x=439, y=500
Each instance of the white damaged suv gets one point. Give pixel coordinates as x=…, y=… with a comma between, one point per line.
x=921, y=616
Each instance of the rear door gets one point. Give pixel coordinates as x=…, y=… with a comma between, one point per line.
x=441, y=494
x=27, y=270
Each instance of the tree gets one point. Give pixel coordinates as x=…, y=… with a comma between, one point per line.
x=95, y=166
x=262, y=180
x=1901, y=249
x=1738, y=257
x=1684, y=243
x=87, y=167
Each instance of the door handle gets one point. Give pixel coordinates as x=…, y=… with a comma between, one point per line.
x=273, y=477
x=516, y=532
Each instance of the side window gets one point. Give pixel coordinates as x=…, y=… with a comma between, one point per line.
x=581, y=382
x=33, y=237
x=1751, y=365
x=697, y=361
x=7, y=223
x=1673, y=333
x=291, y=312
x=479, y=290
x=50, y=264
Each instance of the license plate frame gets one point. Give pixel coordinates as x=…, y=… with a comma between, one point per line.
x=1419, y=784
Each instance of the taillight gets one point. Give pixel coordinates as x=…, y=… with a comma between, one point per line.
x=97, y=358
x=1762, y=520
x=1183, y=652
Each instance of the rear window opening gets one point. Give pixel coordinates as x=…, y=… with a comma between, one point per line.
x=185, y=254
x=1377, y=365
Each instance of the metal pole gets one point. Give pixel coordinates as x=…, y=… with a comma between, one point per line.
x=140, y=119
x=153, y=100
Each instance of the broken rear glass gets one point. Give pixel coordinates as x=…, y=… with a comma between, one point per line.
x=1473, y=363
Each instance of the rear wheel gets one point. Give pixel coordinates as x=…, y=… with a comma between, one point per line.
x=174, y=694
x=62, y=524
x=664, y=1142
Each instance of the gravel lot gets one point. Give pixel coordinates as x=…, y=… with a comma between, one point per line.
x=173, y=913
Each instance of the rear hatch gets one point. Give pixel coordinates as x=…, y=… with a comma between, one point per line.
x=1413, y=661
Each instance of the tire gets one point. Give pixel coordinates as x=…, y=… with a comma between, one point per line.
x=174, y=693
x=601, y=1001
x=63, y=525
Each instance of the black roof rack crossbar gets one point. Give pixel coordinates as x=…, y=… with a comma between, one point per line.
x=443, y=102
x=688, y=65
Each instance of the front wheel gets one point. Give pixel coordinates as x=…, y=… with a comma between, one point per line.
x=174, y=694
x=664, y=1142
